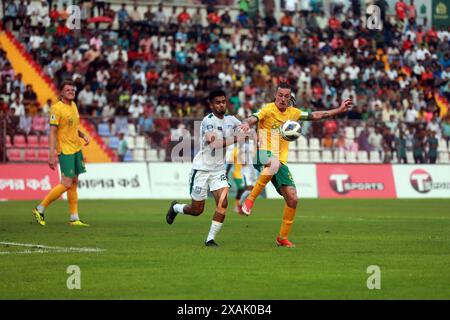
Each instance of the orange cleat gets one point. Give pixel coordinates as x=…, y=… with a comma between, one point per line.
x=284, y=243
x=247, y=207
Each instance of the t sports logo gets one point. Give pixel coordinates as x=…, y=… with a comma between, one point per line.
x=342, y=183
x=422, y=182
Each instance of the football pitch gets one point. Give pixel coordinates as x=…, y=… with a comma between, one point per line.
x=130, y=252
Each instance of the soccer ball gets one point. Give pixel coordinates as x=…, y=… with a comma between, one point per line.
x=290, y=130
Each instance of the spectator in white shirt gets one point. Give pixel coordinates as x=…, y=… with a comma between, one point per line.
x=18, y=107
x=135, y=110
x=353, y=71
x=411, y=114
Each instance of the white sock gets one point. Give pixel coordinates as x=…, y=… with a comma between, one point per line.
x=74, y=217
x=179, y=208
x=215, y=228
x=244, y=196
x=41, y=208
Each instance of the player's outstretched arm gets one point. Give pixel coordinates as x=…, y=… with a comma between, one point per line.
x=247, y=123
x=344, y=107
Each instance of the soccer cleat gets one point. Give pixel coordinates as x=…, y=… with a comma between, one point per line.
x=171, y=214
x=78, y=223
x=284, y=243
x=211, y=243
x=238, y=209
x=247, y=207
x=38, y=216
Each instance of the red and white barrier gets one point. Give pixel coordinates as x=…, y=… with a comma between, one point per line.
x=171, y=181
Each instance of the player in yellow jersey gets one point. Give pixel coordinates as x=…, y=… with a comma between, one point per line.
x=65, y=140
x=271, y=157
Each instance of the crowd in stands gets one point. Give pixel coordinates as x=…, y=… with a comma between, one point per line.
x=153, y=69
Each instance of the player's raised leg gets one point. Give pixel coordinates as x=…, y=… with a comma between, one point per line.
x=221, y=198
x=289, y=194
x=270, y=169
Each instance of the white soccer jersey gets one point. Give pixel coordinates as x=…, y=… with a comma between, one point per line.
x=209, y=159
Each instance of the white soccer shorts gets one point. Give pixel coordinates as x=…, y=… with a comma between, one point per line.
x=199, y=181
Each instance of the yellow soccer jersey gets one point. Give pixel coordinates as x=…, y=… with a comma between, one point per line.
x=237, y=164
x=67, y=119
x=270, y=118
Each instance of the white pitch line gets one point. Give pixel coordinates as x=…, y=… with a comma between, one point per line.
x=57, y=249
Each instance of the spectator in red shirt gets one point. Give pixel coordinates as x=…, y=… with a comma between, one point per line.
x=334, y=23
x=184, y=16
x=401, y=9
x=330, y=127
x=213, y=18
x=54, y=14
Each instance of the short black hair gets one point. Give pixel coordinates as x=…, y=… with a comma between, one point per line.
x=216, y=93
x=284, y=85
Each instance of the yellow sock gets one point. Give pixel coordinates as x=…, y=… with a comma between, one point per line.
x=288, y=219
x=263, y=180
x=72, y=197
x=54, y=194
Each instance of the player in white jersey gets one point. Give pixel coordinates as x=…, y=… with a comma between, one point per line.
x=208, y=169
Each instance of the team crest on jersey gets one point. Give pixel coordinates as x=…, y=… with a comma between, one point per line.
x=209, y=127
x=52, y=117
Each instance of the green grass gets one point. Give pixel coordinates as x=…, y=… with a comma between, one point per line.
x=147, y=259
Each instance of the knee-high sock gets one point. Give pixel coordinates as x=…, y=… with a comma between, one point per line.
x=288, y=219
x=263, y=180
x=54, y=194
x=72, y=197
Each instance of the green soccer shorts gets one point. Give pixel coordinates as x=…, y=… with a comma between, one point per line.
x=282, y=178
x=71, y=164
x=240, y=185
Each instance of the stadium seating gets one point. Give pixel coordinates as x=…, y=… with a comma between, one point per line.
x=302, y=143
x=138, y=155
x=339, y=156
x=141, y=142
x=14, y=154
x=19, y=141
x=131, y=129
x=292, y=156
x=375, y=157
x=130, y=142
x=303, y=156
x=444, y=157
x=114, y=142
x=43, y=141
x=33, y=142
x=42, y=155
x=327, y=156
x=363, y=157
x=350, y=156
x=409, y=157
x=30, y=155
x=314, y=144
x=314, y=156
x=152, y=155
x=442, y=146
x=103, y=129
